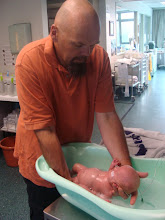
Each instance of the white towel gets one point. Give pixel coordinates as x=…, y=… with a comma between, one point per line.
x=127, y=61
x=153, y=141
x=147, y=133
x=156, y=153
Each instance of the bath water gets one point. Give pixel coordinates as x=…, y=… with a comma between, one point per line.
x=150, y=197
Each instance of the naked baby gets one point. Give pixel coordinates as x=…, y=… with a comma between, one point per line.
x=107, y=184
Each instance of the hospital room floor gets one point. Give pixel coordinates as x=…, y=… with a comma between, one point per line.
x=148, y=112
x=149, y=109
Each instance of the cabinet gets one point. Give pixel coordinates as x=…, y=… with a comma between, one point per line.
x=153, y=54
x=7, y=104
x=161, y=57
x=154, y=63
x=144, y=68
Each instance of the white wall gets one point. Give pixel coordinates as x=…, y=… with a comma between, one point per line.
x=19, y=11
x=106, y=10
x=110, y=16
x=102, y=16
x=95, y=4
x=44, y=18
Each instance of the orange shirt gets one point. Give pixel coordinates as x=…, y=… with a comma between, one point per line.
x=47, y=97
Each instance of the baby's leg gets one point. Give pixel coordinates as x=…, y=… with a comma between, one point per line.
x=78, y=167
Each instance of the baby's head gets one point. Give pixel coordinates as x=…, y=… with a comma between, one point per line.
x=126, y=177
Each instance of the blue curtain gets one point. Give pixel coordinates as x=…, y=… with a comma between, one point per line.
x=158, y=27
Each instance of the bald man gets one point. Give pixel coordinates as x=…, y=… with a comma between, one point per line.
x=62, y=80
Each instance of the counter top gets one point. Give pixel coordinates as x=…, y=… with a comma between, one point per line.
x=63, y=210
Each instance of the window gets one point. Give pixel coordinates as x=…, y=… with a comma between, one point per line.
x=129, y=15
x=127, y=31
x=125, y=28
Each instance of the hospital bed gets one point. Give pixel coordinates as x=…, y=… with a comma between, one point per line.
x=127, y=76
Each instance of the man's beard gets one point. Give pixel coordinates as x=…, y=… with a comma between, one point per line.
x=77, y=69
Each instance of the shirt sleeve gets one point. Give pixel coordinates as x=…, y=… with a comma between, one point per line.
x=104, y=100
x=34, y=107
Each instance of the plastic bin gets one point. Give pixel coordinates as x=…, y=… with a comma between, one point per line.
x=152, y=188
x=7, y=144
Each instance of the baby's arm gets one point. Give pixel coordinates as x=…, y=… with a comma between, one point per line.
x=114, y=163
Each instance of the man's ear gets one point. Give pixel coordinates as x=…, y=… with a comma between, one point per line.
x=53, y=33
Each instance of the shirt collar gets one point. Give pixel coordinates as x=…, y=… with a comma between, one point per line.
x=50, y=53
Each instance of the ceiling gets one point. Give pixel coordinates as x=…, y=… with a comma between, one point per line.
x=154, y=4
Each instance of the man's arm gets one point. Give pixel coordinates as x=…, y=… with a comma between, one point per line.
x=52, y=151
x=114, y=139
x=113, y=136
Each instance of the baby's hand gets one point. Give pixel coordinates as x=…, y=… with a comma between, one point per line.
x=114, y=163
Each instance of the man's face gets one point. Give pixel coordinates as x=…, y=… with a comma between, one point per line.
x=73, y=49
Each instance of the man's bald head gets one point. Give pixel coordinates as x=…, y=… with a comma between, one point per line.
x=75, y=32
x=75, y=14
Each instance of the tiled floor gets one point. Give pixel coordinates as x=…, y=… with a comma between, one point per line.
x=13, y=202
x=148, y=113
x=122, y=109
x=149, y=109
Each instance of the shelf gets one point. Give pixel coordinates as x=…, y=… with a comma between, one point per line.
x=8, y=98
x=8, y=130
x=130, y=84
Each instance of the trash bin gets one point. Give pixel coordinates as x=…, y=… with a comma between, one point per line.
x=7, y=144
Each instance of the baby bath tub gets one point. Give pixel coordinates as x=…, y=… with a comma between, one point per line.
x=150, y=204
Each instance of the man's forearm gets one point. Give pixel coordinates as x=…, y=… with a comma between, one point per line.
x=52, y=151
x=113, y=136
